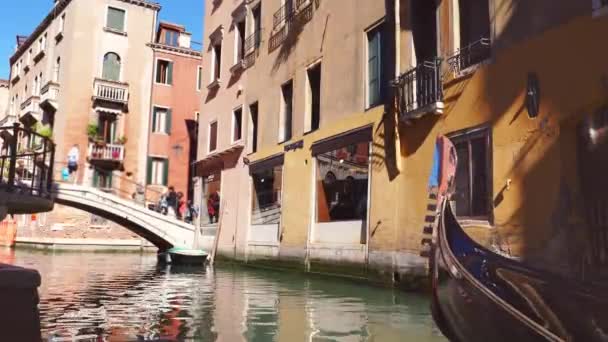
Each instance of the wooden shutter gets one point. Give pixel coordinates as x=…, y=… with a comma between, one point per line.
x=169, y=72
x=149, y=171
x=116, y=19
x=168, y=122
x=374, y=66
x=166, y=172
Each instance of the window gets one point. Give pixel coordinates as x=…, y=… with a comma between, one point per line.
x=474, y=21
x=35, y=89
x=158, y=171
x=29, y=57
x=161, y=120
x=116, y=19
x=213, y=136
x=342, y=178
x=217, y=62
x=57, y=69
x=313, y=98
x=237, y=124
x=239, y=41
x=257, y=25
x=253, y=111
x=375, y=77
x=42, y=43
x=199, y=78
x=164, y=72
x=107, y=128
x=286, y=111
x=267, y=192
x=473, y=188
x=171, y=38
x=62, y=23
x=111, y=67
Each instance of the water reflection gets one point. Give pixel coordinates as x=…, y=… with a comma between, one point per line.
x=118, y=297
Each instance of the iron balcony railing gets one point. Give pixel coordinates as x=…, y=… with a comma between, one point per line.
x=26, y=161
x=106, y=152
x=420, y=88
x=284, y=14
x=253, y=42
x=470, y=55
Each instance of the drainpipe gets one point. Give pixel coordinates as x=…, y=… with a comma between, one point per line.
x=397, y=38
x=147, y=135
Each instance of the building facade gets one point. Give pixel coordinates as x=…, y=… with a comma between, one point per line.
x=321, y=120
x=176, y=91
x=84, y=77
x=4, y=86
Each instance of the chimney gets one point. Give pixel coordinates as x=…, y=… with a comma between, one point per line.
x=184, y=40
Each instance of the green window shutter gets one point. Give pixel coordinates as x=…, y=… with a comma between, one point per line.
x=153, y=118
x=170, y=73
x=166, y=172
x=116, y=19
x=374, y=65
x=168, y=124
x=95, y=178
x=149, y=171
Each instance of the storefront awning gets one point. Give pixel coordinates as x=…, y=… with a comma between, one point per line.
x=218, y=161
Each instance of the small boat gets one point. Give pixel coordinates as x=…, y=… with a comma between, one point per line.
x=183, y=256
x=479, y=295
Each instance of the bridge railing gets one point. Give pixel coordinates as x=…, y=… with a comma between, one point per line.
x=26, y=161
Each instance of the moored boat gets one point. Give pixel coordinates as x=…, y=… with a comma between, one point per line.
x=184, y=256
x=479, y=295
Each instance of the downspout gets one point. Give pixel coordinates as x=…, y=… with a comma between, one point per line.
x=148, y=128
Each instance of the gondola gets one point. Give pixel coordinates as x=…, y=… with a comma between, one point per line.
x=478, y=295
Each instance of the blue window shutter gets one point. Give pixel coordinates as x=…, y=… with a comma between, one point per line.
x=166, y=172
x=373, y=62
x=149, y=171
x=154, y=119
x=170, y=73
x=168, y=123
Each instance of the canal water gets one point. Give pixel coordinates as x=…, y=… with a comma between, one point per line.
x=128, y=297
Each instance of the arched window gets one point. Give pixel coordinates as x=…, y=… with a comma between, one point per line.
x=111, y=67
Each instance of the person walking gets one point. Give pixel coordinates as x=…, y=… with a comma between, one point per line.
x=73, y=156
x=181, y=206
x=172, y=202
x=139, y=196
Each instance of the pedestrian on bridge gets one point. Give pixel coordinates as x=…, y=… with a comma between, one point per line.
x=172, y=202
x=73, y=156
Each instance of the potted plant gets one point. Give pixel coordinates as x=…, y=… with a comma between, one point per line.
x=92, y=132
x=44, y=131
x=122, y=140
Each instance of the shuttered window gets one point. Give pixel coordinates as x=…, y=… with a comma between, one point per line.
x=161, y=120
x=164, y=72
x=158, y=171
x=374, y=66
x=213, y=136
x=111, y=67
x=116, y=19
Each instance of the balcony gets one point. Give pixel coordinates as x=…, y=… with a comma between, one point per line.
x=469, y=56
x=50, y=97
x=112, y=96
x=30, y=111
x=108, y=155
x=283, y=15
x=252, y=43
x=419, y=91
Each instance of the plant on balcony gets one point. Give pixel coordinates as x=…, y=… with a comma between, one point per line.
x=122, y=140
x=115, y=154
x=92, y=132
x=44, y=130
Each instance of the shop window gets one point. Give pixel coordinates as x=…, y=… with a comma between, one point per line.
x=266, y=199
x=342, y=183
x=212, y=200
x=473, y=193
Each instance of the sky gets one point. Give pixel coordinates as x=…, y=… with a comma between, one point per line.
x=22, y=17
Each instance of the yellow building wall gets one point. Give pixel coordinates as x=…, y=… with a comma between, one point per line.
x=539, y=155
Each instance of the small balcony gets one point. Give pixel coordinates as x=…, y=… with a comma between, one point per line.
x=104, y=154
x=49, y=94
x=419, y=91
x=469, y=56
x=30, y=111
x=283, y=15
x=110, y=94
x=252, y=43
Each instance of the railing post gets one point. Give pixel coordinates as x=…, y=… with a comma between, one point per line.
x=13, y=156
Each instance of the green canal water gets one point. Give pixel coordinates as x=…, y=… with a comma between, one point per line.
x=128, y=297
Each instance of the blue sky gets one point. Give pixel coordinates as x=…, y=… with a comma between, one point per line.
x=22, y=17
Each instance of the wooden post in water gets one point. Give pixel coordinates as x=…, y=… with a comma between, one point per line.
x=217, y=233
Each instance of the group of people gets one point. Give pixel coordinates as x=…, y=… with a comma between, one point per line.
x=172, y=203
